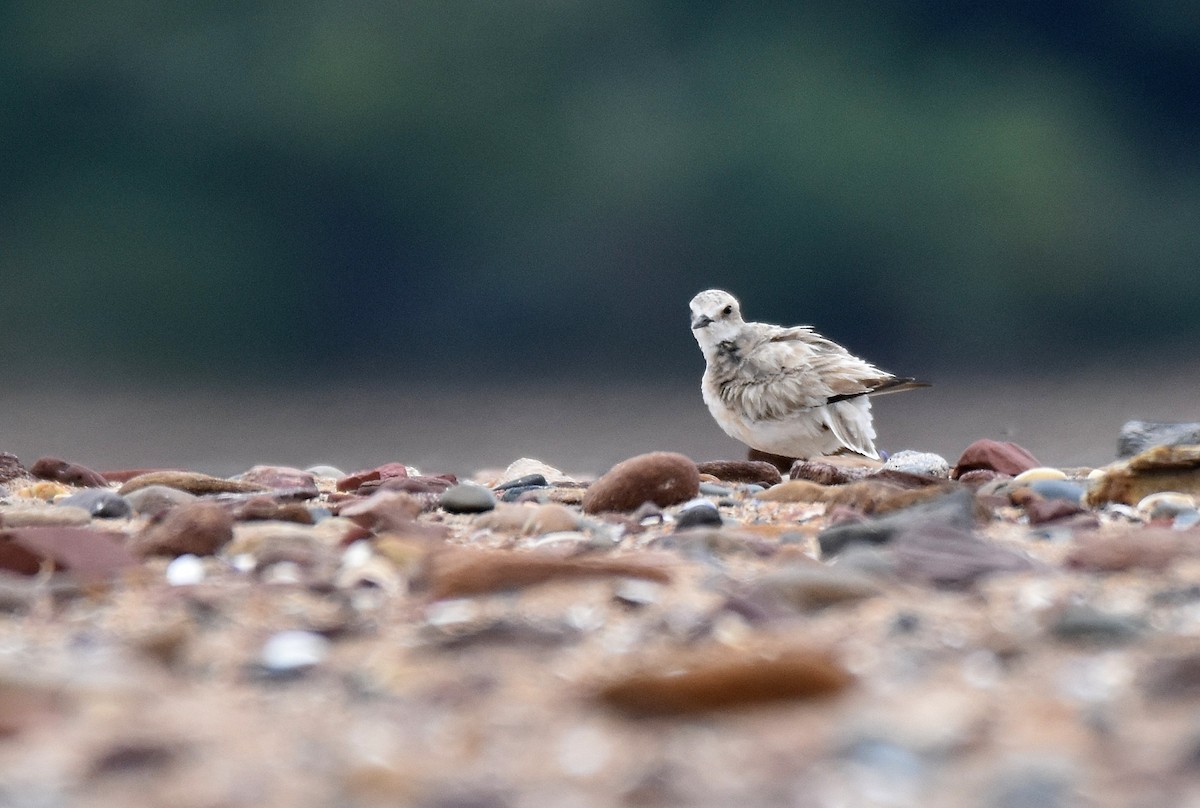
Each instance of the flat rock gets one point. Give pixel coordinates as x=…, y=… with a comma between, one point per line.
x=192, y=482
x=664, y=478
x=352, y=482
x=88, y=556
x=994, y=455
x=1138, y=436
x=200, y=528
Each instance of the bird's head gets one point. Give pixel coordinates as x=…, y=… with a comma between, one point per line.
x=716, y=317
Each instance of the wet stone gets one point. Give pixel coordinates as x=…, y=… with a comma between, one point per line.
x=467, y=498
x=100, y=503
x=698, y=514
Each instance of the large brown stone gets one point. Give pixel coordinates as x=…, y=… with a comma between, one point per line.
x=664, y=478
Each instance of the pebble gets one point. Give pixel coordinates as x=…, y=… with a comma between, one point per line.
x=698, y=513
x=1138, y=436
x=352, y=482
x=1038, y=473
x=467, y=498
x=527, y=466
x=994, y=455
x=714, y=490
x=923, y=463
x=60, y=471
x=826, y=473
x=185, y=570
x=664, y=478
x=1165, y=505
x=1048, y=488
x=535, y=480
x=200, y=528
x=100, y=503
x=288, y=653
x=754, y=472
x=191, y=482
x=155, y=499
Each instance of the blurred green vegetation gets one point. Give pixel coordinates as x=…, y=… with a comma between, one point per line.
x=539, y=186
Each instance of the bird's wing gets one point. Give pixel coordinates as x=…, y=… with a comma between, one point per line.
x=784, y=370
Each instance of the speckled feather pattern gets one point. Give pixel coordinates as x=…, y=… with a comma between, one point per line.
x=787, y=391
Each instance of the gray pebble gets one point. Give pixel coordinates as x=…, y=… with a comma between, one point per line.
x=699, y=514
x=467, y=498
x=925, y=463
x=1058, y=489
x=714, y=490
x=1083, y=623
x=100, y=503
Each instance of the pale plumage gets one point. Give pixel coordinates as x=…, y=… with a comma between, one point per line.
x=786, y=391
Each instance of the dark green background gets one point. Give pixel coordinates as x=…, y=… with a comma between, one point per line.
x=227, y=190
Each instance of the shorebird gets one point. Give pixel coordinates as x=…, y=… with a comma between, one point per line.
x=786, y=391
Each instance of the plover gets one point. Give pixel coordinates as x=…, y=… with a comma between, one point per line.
x=786, y=391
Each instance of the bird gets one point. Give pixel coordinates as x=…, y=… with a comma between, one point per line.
x=786, y=391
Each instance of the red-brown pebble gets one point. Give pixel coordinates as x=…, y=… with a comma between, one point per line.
x=1002, y=456
x=664, y=478
x=60, y=471
x=201, y=528
x=754, y=472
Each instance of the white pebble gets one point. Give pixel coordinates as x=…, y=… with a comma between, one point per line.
x=292, y=650
x=1038, y=473
x=185, y=570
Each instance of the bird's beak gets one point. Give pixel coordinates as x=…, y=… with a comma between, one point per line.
x=700, y=321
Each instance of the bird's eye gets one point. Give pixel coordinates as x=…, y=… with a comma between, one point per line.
x=727, y=310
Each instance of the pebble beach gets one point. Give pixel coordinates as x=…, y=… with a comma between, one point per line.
x=976, y=629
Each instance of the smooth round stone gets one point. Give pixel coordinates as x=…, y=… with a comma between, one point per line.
x=924, y=463
x=698, y=513
x=100, y=503
x=185, y=570
x=291, y=652
x=1037, y=474
x=714, y=490
x=467, y=498
x=1165, y=505
x=1057, y=489
x=157, y=498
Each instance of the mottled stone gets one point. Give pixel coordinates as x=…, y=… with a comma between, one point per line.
x=994, y=455
x=757, y=472
x=191, y=482
x=200, y=528
x=725, y=679
x=1164, y=468
x=664, y=478
x=100, y=503
x=922, y=463
x=154, y=499
x=60, y=471
x=282, y=477
x=467, y=498
x=10, y=467
x=1138, y=436
x=949, y=557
